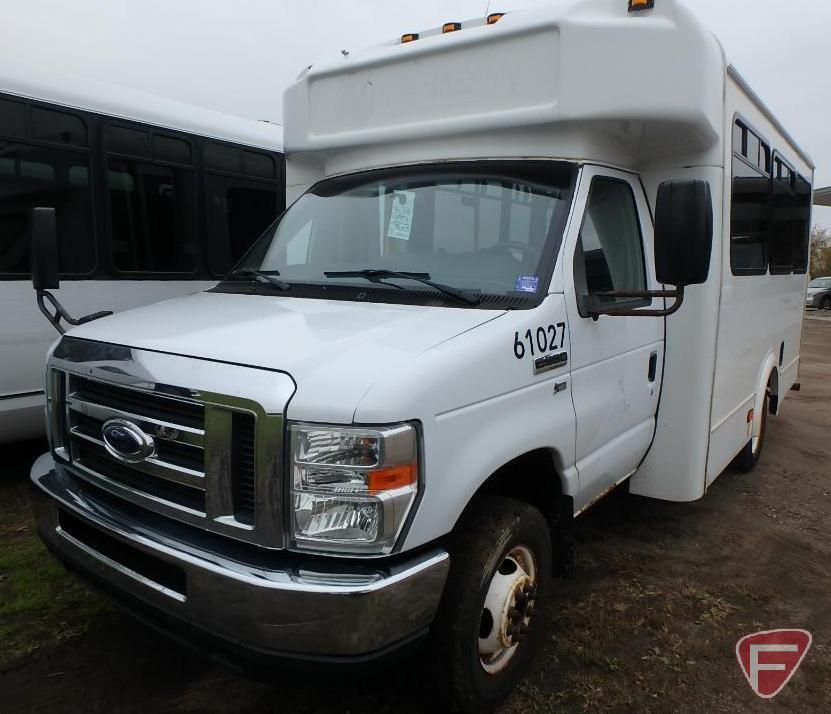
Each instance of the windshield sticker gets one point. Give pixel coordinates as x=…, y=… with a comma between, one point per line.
x=401, y=216
x=527, y=284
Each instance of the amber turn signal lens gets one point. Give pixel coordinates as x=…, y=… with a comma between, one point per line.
x=391, y=478
x=451, y=27
x=636, y=5
x=495, y=17
x=410, y=37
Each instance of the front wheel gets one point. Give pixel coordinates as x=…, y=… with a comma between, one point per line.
x=825, y=303
x=492, y=616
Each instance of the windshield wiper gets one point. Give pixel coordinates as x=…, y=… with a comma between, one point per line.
x=377, y=275
x=260, y=275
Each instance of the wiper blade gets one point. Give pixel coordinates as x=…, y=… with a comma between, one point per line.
x=267, y=276
x=377, y=275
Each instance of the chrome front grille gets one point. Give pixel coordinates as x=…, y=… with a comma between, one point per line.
x=176, y=474
x=217, y=433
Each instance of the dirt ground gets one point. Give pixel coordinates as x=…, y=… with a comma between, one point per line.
x=649, y=624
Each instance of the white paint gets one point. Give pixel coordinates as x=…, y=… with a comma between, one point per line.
x=581, y=81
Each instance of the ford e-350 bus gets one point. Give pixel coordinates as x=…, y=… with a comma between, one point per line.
x=153, y=198
x=532, y=257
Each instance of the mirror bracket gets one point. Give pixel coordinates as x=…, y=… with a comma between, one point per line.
x=59, y=313
x=593, y=305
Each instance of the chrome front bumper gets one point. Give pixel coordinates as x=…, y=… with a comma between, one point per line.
x=267, y=602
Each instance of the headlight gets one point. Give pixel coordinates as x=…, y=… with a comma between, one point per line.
x=352, y=487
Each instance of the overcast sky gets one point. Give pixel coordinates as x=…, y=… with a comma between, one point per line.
x=238, y=55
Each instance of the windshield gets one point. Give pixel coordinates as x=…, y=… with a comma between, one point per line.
x=820, y=283
x=487, y=228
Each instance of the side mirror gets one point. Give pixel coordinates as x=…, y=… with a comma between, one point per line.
x=683, y=243
x=43, y=237
x=683, y=232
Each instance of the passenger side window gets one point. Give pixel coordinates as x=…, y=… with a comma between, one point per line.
x=152, y=218
x=38, y=176
x=610, y=252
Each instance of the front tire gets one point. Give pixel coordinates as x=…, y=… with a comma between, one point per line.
x=491, y=619
x=825, y=303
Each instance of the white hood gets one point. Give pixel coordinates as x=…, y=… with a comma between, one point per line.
x=335, y=351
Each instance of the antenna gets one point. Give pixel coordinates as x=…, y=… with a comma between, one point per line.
x=488, y=8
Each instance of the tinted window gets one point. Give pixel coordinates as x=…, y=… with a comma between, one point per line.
x=12, y=118
x=133, y=142
x=60, y=127
x=223, y=158
x=611, y=247
x=152, y=214
x=749, y=219
x=783, y=219
x=32, y=176
x=802, y=225
x=753, y=145
x=238, y=212
x=167, y=148
x=259, y=165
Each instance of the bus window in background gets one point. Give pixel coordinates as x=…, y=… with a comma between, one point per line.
x=242, y=201
x=152, y=202
x=33, y=173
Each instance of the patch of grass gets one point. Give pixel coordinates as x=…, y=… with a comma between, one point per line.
x=41, y=605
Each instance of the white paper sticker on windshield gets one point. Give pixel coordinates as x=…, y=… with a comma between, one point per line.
x=401, y=216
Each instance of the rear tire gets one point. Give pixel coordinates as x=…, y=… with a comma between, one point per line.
x=749, y=456
x=491, y=618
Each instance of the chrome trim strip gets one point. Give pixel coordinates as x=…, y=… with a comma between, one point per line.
x=159, y=505
x=153, y=466
x=186, y=434
x=119, y=567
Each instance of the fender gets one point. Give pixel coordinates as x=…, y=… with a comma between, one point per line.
x=768, y=367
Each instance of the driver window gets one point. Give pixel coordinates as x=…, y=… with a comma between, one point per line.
x=609, y=254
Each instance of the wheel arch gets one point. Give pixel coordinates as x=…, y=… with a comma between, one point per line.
x=537, y=478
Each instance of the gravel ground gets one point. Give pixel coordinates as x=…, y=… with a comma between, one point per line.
x=649, y=624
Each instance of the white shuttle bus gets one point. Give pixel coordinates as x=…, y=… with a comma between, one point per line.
x=154, y=199
x=531, y=257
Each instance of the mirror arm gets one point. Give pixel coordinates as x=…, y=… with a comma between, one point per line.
x=60, y=313
x=592, y=306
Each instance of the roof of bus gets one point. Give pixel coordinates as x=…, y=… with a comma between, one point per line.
x=822, y=196
x=125, y=103
x=579, y=79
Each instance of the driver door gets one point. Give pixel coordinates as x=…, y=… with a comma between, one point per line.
x=616, y=360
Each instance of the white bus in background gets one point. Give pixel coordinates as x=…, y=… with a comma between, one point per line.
x=153, y=198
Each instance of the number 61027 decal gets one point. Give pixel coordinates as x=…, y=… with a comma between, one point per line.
x=540, y=341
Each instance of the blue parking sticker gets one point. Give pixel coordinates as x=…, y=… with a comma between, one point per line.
x=527, y=284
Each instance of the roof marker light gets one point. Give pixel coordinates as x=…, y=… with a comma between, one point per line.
x=451, y=27
x=409, y=37
x=495, y=17
x=638, y=5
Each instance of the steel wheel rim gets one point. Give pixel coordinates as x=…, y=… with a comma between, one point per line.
x=507, y=610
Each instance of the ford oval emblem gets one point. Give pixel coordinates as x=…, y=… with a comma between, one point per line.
x=126, y=441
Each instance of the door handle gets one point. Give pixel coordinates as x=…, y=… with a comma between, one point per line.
x=653, y=366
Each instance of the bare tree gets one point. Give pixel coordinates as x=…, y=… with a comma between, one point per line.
x=820, y=252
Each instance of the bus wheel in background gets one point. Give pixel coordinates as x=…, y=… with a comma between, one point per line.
x=749, y=456
x=492, y=615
